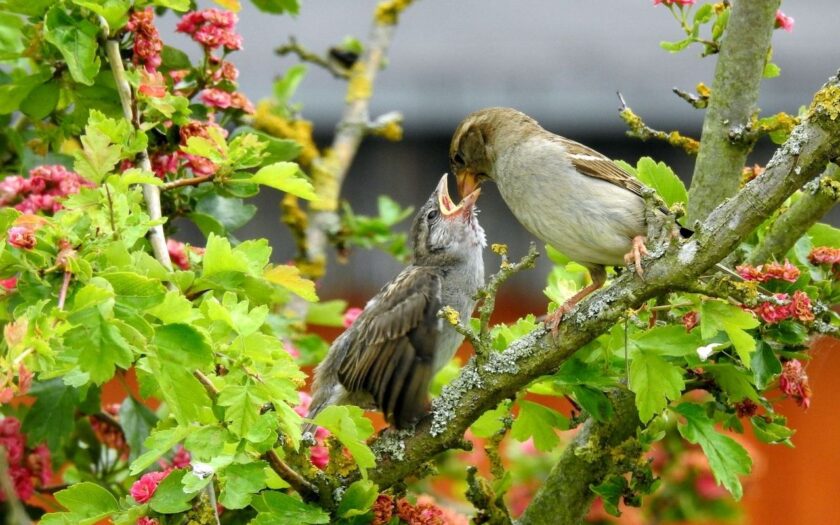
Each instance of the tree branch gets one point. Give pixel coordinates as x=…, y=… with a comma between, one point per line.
x=151, y=194
x=640, y=130
x=305, y=55
x=480, y=387
x=565, y=496
x=819, y=197
x=732, y=104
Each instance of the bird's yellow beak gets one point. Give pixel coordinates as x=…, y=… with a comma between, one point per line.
x=447, y=207
x=467, y=182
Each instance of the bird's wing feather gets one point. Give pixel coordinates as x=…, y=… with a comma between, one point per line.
x=392, y=353
x=593, y=164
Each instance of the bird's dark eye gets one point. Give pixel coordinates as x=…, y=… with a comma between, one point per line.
x=432, y=215
x=457, y=159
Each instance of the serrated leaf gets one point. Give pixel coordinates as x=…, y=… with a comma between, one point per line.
x=277, y=508
x=137, y=421
x=349, y=425
x=662, y=179
x=175, y=308
x=670, y=340
x=76, y=40
x=655, y=382
x=113, y=11
x=86, y=502
x=540, y=423
x=734, y=381
x=771, y=70
x=611, y=491
x=358, y=498
x=170, y=497
x=289, y=277
x=51, y=417
x=41, y=101
x=242, y=407
x=231, y=213
x=765, y=365
x=278, y=6
x=595, y=402
x=183, y=345
x=824, y=235
x=287, y=177
x=771, y=432
x=727, y=457
x=97, y=345
x=716, y=316
x=157, y=444
x=219, y=257
x=490, y=422
x=240, y=482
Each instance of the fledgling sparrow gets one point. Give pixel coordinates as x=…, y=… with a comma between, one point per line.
x=568, y=195
x=388, y=356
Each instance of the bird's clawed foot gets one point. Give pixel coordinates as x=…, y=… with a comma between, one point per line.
x=552, y=320
x=634, y=256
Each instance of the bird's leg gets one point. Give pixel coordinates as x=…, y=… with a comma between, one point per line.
x=599, y=277
x=635, y=254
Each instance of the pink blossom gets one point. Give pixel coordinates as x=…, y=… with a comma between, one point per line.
x=351, y=315
x=40, y=463
x=775, y=313
x=765, y=272
x=383, y=510
x=14, y=445
x=801, y=307
x=319, y=455
x=9, y=284
x=824, y=255
x=164, y=164
x=152, y=84
x=707, y=487
x=147, y=43
x=178, y=254
x=292, y=350
x=240, y=101
x=303, y=407
x=24, y=379
x=211, y=28
x=144, y=488
x=784, y=21
x=145, y=520
x=22, y=480
x=690, y=320
x=41, y=191
x=21, y=237
x=528, y=448
x=181, y=458
x=793, y=382
x=216, y=98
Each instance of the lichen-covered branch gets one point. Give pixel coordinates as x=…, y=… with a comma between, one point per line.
x=700, y=100
x=305, y=55
x=819, y=196
x=640, y=130
x=151, y=194
x=565, y=495
x=481, y=386
x=732, y=104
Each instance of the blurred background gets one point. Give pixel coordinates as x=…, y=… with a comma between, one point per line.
x=560, y=61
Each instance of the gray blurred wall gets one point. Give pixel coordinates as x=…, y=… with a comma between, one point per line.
x=560, y=61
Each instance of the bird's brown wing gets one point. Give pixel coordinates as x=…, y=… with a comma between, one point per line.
x=589, y=162
x=391, y=356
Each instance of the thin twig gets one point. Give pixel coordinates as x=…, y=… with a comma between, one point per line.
x=193, y=181
x=62, y=293
x=303, y=487
x=208, y=385
x=151, y=194
x=487, y=294
x=643, y=132
x=305, y=55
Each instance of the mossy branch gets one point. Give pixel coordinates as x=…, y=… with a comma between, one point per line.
x=481, y=386
x=643, y=132
x=487, y=294
x=819, y=196
x=732, y=104
x=305, y=55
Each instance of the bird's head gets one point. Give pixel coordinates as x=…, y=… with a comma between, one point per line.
x=477, y=141
x=446, y=233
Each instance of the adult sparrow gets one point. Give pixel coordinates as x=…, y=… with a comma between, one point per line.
x=388, y=356
x=566, y=194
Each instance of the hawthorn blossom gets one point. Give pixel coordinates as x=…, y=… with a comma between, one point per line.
x=178, y=254
x=152, y=84
x=319, y=454
x=824, y=255
x=765, y=272
x=9, y=284
x=21, y=237
x=199, y=165
x=793, y=382
x=775, y=312
x=784, y=21
x=690, y=320
x=41, y=191
x=24, y=463
x=241, y=102
x=147, y=43
x=801, y=307
x=746, y=408
x=164, y=164
x=383, y=510
x=350, y=316
x=145, y=520
x=212, y=28
x=144, y=488
x=216, y=98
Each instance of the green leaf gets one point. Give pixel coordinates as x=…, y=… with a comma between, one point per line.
x=285, y=87
x=185, y=396
x=170, y=497
x=13, y=93
x=135, y=290
x=183, y=345
x=97, y=345
x=720, y=24
x=115, y=12
x=771, y=431
x=675, y=47
x=173, y=58
x=655, y=382
x=288, y=277
x=232, y=213
x=538, y=422
x=205, y=443
x=35, y=8
x=277, y=149
x=175, y=5
x=76, y=40
x=670, y=340
x=277, y=508
x=734, y=381
x=662, y=179
x=771, y=70
x=158, y=443
x=175, y=308
x=490, y=422
x=86, y=502
x=242, y=404
x=240, y=483
x=41, y=101
x=220, y=258
x=349, y=425
x=765, y=365
x=716, y=316
x=611, y=491
x=824, y=235
x=278, y=6
x=327, y=313
x=703, y=14
x=285, y=176
x=51, y=417
x=358, y=498
x=595, y=402
x=726, y=457
x=137, y=421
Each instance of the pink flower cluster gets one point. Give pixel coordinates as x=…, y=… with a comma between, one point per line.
x=144, y=488
x=674, y=2
x=219, y=98
x=21, y=237
x=24, y=463
x=147, y=42
x=318, y=454
x=145, y=520
x=794, y=383
x=178, y=253
x=786, y=307
x=824, y=255
x=212, y=28
x=424, y=512
x=690, y=320
x=42, y=190
x=765, y=272
x=199, y=165
x=784, y=21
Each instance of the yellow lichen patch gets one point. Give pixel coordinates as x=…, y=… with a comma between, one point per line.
x=749, y=289
x=451, y=315
x=325, y=180
x=297, y=130
x=388, y=12
x=831, y=187
x=360, y=87
x=392, y=131
x=703, y=90
x=500, y=249
x=826, y=102
x=690, y=145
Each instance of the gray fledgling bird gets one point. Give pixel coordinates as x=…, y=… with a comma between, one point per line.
x=388, y=356
x=566, y=194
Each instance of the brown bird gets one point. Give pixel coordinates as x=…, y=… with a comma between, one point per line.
x=566, y=194
x=388, y=356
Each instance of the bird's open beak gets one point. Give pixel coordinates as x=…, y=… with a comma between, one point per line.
x=467, y=182
x=447, y=207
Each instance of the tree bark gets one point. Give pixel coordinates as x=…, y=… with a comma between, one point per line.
x=732, y=104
